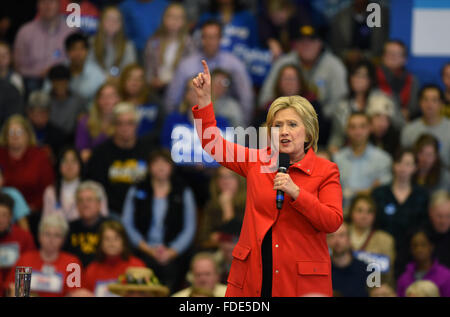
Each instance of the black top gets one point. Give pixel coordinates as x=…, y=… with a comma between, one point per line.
x=82, y=240
x=117, y=169
x=350, y=281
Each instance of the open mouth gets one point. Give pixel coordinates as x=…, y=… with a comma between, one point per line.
x=285, y=142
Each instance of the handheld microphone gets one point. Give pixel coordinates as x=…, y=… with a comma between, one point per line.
x=283, y=165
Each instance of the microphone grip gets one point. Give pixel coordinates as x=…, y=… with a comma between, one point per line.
x=280, y=194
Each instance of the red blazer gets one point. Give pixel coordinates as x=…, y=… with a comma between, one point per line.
x=301, y=261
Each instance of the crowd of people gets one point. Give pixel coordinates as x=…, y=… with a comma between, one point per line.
x=101, y=165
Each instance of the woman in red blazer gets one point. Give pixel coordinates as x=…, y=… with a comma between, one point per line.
x=280, y=252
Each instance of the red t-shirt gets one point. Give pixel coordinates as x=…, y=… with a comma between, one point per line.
x=31, y=174
x=48, y=279
x=99, y=274
x=15, y=243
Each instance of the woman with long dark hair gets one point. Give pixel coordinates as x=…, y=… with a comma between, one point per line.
x=160, y=217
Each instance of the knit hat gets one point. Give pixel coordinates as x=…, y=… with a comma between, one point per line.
x=380, y=104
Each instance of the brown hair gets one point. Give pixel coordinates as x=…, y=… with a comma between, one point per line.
x=433, y=176
x=304, y=88
x=239, y=198
x=119, y=40
x=125, y=75
x=117, y=227
x=361, y=196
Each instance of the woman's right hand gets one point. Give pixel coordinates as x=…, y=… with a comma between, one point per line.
x=202, y=86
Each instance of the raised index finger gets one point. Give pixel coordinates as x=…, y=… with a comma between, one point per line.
x=205, y=67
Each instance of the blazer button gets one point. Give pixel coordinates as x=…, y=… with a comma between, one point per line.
x=276, y=271
x=314, y=269
x=276, y=245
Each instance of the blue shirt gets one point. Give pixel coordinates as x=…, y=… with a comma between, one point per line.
x=180, y=137
x=142, y=19
x=155, y=235
x=21, y=208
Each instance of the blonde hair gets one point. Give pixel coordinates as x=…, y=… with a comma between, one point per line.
x=125, y=107
x=306, y=113
x=423, y=288
x=19, y=119
x=439, y=197
x=54, y=220
x=162, y=33
x=94, y=120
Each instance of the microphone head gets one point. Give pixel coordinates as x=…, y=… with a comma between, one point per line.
x=283, y=160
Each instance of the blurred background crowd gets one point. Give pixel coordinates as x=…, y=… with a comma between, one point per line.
x=93, y=120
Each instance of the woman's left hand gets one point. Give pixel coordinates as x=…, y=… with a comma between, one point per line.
x=283, y=181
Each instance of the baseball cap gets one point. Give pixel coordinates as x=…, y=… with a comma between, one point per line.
x=307, y=31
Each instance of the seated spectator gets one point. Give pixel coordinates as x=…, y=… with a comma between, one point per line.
x=10, y=101
x=20, y=209
x=348, y=274
x=165, y=49
x=110, y=48
x=445, y=75
x=6, y=70
x=362, y=165
x=424, y=266
x=352, y=37
x=226, y=206
x=138, y=27
x=49, y=263
x=113, y=258
x=83, y=236
x=47, y=133
x=323, y=71
x=133, y=89
x=369, y=244
x=121, y=161
x=228, y=238
x=97, y=126
x=65, y=106
x=239, y=25
x=422, y=289
x=226, y=105
x=160, y=217
x=384, y=290
x=88, y=14
x=291, y=82
x=14, y=240
x=204, y=273
x=401, y=204
x=39, y=44
x=25, y=166
x=362, y=93
x=278, y=23
x=60, y=197
x=211, y=34
x=431, y=172
x=383, y=133
x=439, y=215
x=86, y=76
x=432, y=121
x=396, y=81
x=180, y=137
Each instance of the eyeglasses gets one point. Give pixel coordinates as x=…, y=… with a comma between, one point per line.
x=16, y=132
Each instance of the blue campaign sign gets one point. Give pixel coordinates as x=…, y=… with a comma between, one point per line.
x=368, y=257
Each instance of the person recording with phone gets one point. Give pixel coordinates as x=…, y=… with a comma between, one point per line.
x=282, y=250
